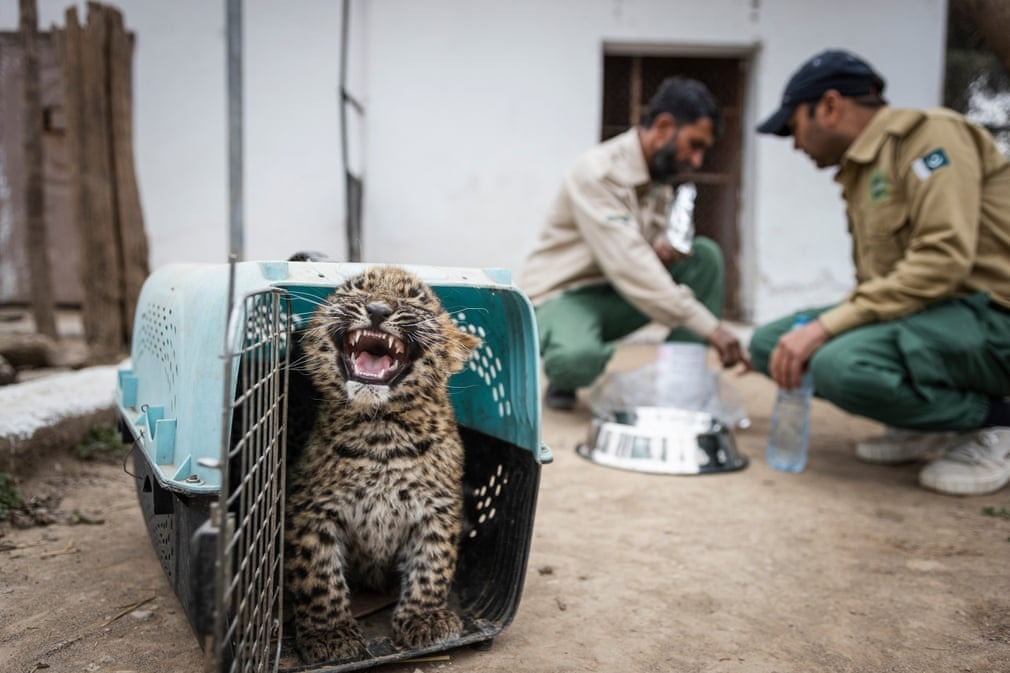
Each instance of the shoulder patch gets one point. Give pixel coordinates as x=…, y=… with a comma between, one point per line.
x=927, y=164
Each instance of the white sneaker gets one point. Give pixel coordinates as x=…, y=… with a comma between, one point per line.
x=897, y=446
x=979, y=464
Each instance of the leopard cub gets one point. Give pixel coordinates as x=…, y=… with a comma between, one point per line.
x=375, y=499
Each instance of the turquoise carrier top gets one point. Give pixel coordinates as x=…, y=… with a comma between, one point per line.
x=172, y=393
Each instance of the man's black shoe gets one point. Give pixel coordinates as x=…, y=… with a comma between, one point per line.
x=562, y=400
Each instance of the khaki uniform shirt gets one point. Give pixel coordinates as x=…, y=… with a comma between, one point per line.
x=927, y=197
x=600, y=229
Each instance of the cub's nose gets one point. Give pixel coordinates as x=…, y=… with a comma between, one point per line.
x=377, y=313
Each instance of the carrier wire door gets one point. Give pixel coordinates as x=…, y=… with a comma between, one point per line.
x=249, y=514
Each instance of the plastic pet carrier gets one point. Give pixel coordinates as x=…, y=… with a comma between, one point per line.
x=210, y=404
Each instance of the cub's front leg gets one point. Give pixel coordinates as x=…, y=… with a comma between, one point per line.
x=422, y=616
x=325, y=630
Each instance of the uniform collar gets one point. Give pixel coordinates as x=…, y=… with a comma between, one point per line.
x=632, y=171
x=864, y=148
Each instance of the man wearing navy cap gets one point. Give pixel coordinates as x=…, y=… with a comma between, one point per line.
x=922, y=343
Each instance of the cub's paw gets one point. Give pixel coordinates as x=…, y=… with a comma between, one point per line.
x=417, y=629
x=341, y=641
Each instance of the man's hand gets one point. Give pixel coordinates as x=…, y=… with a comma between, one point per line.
x=731, y=353
x=793, y=352
x=666, y=252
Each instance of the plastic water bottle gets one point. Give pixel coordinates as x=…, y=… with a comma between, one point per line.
x=789, y=438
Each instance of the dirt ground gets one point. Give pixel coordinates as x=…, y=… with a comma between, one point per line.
x=845, y=567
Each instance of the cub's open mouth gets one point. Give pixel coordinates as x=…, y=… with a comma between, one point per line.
x=374, y=357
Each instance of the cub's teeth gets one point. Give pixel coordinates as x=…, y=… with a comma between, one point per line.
x=354, y=338
x=389, y=342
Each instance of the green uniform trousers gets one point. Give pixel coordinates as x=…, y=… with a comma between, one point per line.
x=934, y=370
x=578, y=327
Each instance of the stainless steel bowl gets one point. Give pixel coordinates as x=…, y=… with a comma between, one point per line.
x=662, y=440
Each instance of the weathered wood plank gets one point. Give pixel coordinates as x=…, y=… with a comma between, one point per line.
x=129, y=214
x=36, y=235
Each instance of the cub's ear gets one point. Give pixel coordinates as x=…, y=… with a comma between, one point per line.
x=459, y=346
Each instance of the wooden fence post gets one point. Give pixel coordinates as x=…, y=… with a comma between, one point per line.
x=129, y=216
x=36, y=239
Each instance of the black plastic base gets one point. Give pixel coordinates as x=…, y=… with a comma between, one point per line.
x=172, y=520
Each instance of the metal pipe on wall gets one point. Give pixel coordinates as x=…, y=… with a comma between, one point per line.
x=236, y=196
x=353, y=184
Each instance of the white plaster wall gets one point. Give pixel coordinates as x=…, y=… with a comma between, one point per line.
x=474, y=110
x=477, y=111
x=293, y=180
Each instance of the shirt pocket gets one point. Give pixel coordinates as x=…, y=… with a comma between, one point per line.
x=884, y=237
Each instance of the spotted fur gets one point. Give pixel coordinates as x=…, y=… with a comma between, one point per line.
x=375, y=499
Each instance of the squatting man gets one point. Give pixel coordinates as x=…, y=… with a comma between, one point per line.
x=602, y=266
x=922, y=344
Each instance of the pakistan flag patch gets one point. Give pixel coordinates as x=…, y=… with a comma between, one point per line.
x=925, y=165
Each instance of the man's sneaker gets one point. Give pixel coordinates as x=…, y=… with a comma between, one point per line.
x=560, y=399
x=898, y=446
x=979, y=464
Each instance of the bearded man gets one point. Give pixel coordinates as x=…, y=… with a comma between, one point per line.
x=603, y=265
